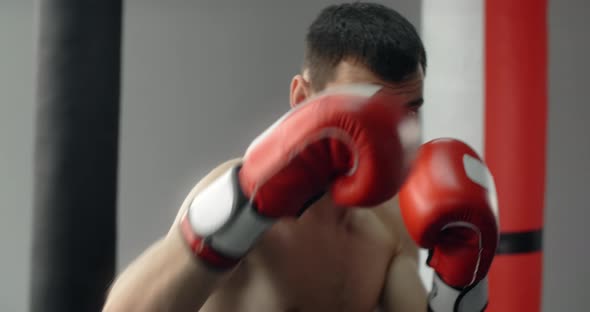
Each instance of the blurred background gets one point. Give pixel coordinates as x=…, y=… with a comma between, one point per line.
x=202, y=78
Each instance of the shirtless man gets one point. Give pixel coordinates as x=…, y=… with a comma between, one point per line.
x=282, y=228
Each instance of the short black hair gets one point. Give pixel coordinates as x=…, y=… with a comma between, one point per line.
x=372, y=34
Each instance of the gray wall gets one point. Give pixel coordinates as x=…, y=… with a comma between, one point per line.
x=201, y=80
x=16, y=150
x=567, y=212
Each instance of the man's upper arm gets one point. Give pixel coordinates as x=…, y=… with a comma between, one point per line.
x=210, y=177
x=403, y=290
x=391, y=215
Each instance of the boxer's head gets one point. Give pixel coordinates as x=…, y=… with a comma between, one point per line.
x=361, y=43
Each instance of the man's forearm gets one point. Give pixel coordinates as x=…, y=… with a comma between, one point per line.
x=166, y=277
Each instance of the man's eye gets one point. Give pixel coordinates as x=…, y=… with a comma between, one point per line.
x=414, y=110
x=414, y=106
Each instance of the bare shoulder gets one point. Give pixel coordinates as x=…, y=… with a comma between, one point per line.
x=204, y=182
x=390, y=215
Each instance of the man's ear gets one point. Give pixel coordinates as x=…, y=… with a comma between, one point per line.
x=300, y=90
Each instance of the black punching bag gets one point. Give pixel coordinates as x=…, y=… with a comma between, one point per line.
x=76, y=152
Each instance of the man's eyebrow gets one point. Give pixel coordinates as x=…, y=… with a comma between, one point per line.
x=416, y=103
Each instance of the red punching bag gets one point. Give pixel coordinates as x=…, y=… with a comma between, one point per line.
x=515, y=142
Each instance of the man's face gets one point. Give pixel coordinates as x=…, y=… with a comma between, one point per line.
x=348, y=72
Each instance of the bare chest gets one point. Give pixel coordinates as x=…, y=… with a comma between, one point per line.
x=316, y=263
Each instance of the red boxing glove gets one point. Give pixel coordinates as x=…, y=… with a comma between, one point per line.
x=345, y=141
x=449, y=205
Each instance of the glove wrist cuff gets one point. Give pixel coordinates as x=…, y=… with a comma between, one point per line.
x=445, y=298
x=221, y=224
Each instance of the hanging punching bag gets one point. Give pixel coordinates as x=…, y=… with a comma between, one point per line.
x=76, y=149
x=515, y=146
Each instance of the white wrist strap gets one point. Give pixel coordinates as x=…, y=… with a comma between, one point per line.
x=223, y=216
x=444, y=298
